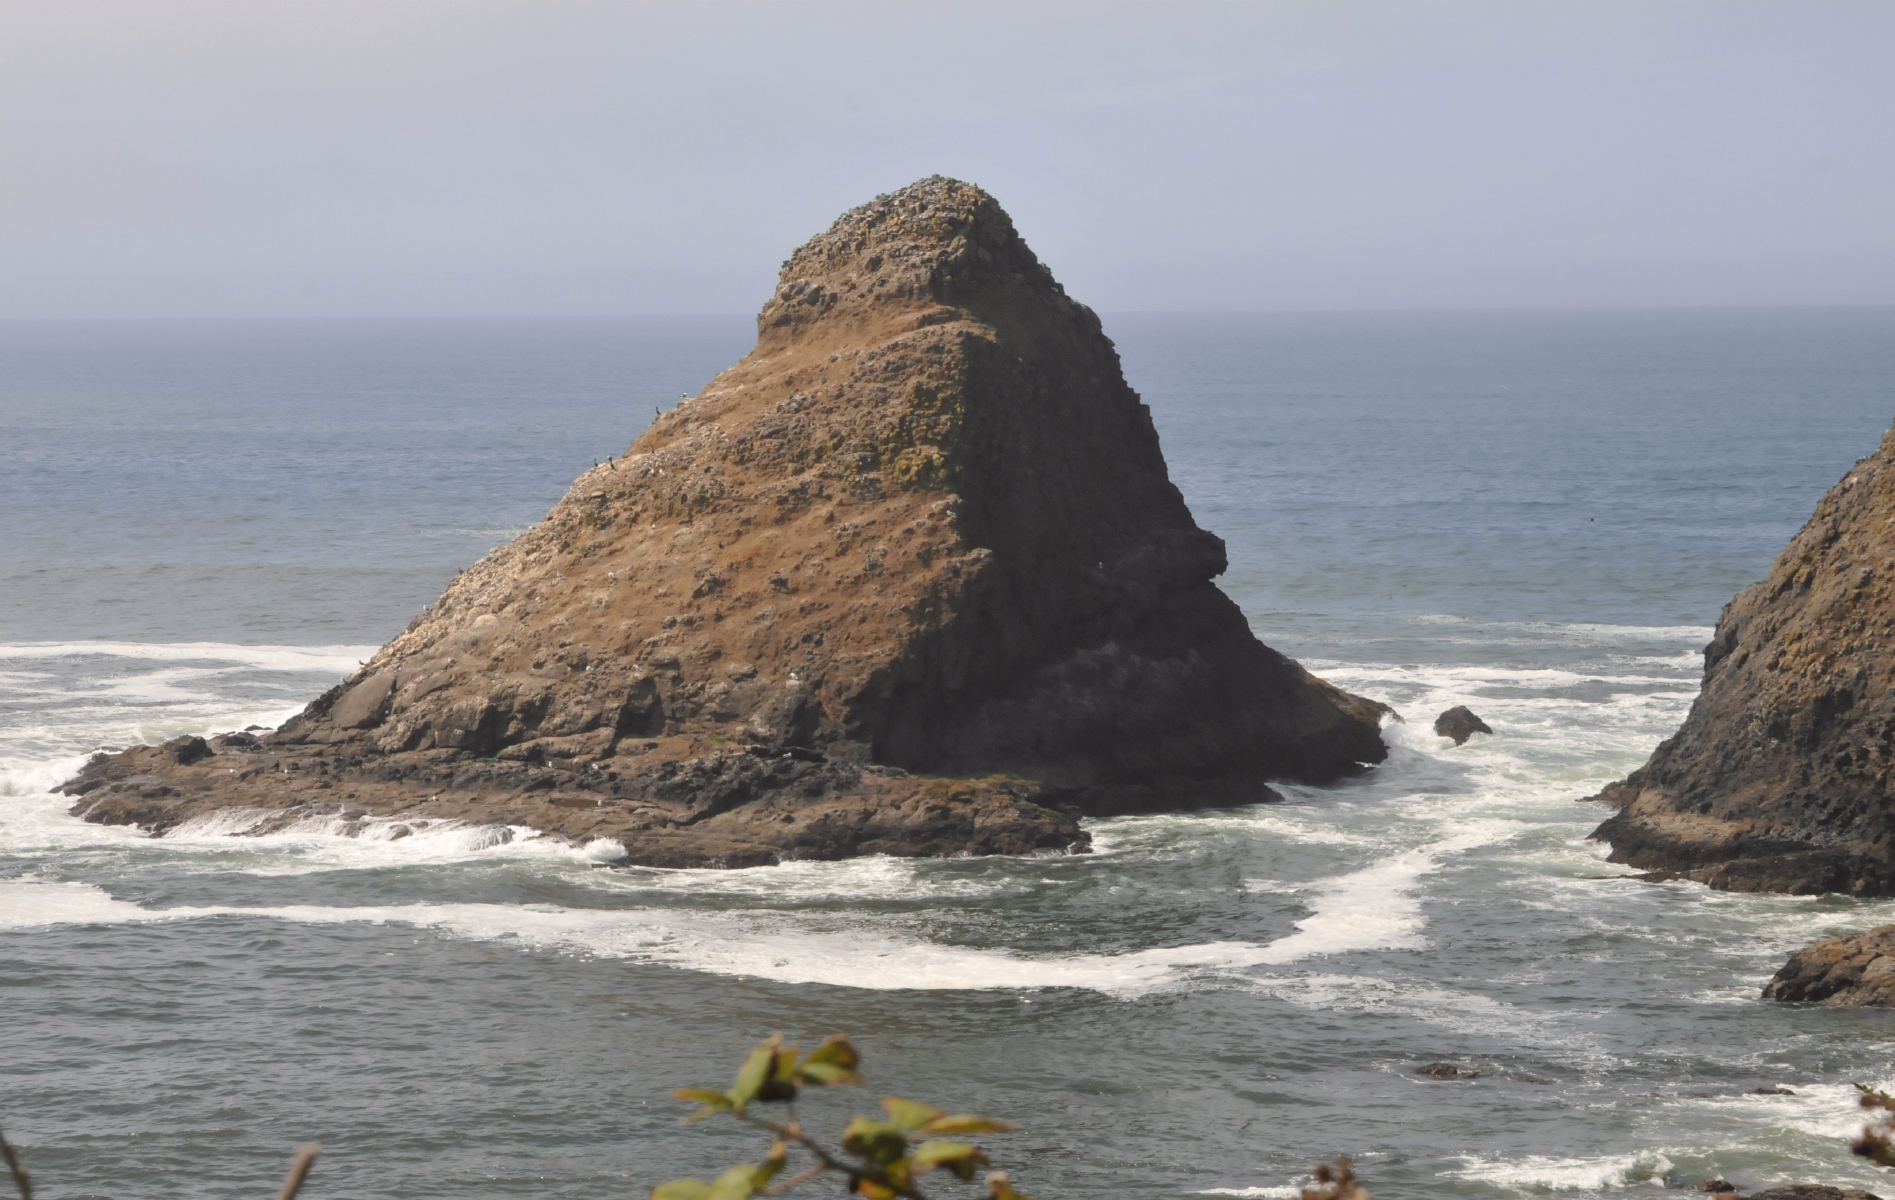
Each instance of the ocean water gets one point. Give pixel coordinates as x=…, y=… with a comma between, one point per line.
x=1535, y=514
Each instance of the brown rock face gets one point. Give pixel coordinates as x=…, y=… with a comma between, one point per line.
x=1780, y=779
x=910, y=578
x=1843, y=972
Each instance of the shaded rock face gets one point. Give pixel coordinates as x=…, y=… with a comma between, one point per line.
x=1780, y=778
x=1813, y=1191
x=923, y=529
x=1459, y=723
x=1842, y=972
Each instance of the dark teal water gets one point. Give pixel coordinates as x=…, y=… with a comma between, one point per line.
x=1535, y=514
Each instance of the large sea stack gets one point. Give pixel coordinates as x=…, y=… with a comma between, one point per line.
x=911, y=578
x=1780, y=779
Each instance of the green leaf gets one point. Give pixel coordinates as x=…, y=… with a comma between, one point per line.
x=877, y=1141
x=966, y=1123
x=958, y=1157
x=703, y=1096
x=682, y=1189
x=781, y=1085
x=909, y=1115
x=741, y=1182
x=713, y=1102
x=751, y=1076
x=828, y=1074
x=835, y=1051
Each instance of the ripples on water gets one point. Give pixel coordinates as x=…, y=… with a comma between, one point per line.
x=1209, y=1004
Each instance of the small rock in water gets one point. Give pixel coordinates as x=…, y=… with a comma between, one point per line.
x=1442, y=1070
x=1770, y=1091
x=1459, y=723
x=1717, y=1187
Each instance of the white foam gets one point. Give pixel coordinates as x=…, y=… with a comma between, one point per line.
x=33, y=904
x=866, y=879
x=1583, y=631
x=1537, y=1173
x=38, y=825
x=330, y=842
x=1368, y=909
x=336, y=660
x=65, y=699
x=1377, y=907
x=762, y=945
x=1273, y=1193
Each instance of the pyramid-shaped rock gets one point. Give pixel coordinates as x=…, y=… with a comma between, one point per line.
x=1780, y=778
x=910, y=578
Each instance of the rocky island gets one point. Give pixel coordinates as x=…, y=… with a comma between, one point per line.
x=1780, y=778
x=911, y=578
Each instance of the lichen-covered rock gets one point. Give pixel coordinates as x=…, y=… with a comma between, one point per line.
x=1780, y=778
x=1857, y=971
x=910, y=578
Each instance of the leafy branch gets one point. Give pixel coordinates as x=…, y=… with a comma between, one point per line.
x=881, y=1159
x=1877, y=1143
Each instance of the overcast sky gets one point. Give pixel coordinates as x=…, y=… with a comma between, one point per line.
x=344, y=158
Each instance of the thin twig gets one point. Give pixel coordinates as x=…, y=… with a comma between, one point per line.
x=793, y=1131
x=299, y=1171
x=800, y=1177
x=19, y=1172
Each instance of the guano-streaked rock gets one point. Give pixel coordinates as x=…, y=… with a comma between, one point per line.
x=911, y=578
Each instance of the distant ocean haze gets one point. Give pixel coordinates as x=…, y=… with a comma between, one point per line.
x=1537, y=514
x=317, y=482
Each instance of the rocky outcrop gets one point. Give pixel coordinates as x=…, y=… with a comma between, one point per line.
x=910, y=578
x=1780, y=779
x=1857, y=971
x=1446, y=1070
x=1459, y=723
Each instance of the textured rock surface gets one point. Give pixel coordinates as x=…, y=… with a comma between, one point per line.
x=1459, y=723
x=1813, y=1191
x=1844, y=972
x=1446, y=1070
x=1780, y=778
x=909, y=578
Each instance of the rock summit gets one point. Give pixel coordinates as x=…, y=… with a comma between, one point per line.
x=1780, y=779
x=911, y=578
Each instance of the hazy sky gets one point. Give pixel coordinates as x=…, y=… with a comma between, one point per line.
x=254, y=158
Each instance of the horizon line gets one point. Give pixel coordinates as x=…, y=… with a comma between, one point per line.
x=1390, y=310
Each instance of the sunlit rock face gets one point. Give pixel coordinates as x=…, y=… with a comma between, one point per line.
x=911, y=578
x=1779, y=779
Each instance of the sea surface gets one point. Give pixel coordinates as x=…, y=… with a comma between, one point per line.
x=203, y=525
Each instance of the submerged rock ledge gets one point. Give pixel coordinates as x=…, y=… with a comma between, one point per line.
x=911, y=579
